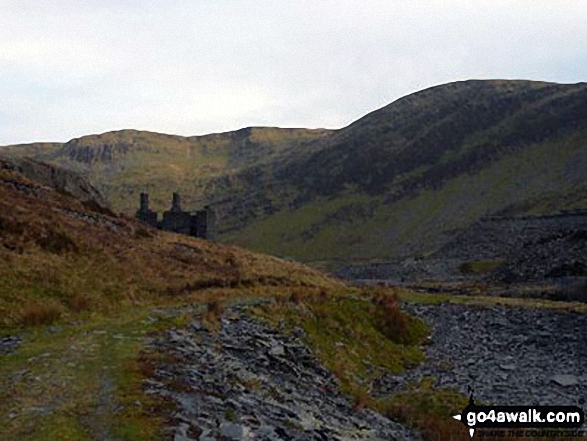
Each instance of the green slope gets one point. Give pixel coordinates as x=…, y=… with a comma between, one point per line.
x=399, y=181
x=360, y=226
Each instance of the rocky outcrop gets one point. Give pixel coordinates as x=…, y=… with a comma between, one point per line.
x=248, y=381
x=104, y=152
x=60, y=179
x=9, y=344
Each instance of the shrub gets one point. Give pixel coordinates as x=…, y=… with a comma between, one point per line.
x=297, y=296
x=80, y=303
x=214, y=311
x=396, y=324
x=36, y=314
x=56, y=242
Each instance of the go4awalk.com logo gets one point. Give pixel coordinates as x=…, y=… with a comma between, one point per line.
x=511, y=417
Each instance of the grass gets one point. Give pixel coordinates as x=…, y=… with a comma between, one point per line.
x=214, y=310
x=479, y=267
x=362, y=337
x=431, y=410
x=59, y=254
x=165, y=163
x=412, y=224
x=36, y=314
x=80, y=286
x=428, y=409
x=522, y=174
x=83, y=289
x=82, y=381
x=489, y=301
x=355, y=337
x=365, y=335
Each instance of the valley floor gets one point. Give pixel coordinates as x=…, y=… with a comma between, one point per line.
x=223, y=372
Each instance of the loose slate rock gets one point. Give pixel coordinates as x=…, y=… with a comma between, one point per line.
x=535, y=356
x=9, y=344
x=250, y=381
x=236, y=432
x=565, y=380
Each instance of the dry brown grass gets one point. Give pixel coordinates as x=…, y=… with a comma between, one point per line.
x=36, y=314
x=297, y=296
x=56, y=242
x=214, y=309
x=392, y=321
x=438, y=428
x=362, y=398
x=80, y=303
x=213, y=313
x=54, y=247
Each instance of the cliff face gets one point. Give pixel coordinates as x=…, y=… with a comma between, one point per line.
x=60, y=179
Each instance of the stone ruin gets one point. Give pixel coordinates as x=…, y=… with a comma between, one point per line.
x=201, y=223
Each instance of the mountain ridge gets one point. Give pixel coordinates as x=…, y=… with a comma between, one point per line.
x=394, y=183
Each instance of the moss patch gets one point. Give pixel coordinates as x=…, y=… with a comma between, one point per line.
x=479, y=267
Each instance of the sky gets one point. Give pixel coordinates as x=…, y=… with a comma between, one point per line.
x=188, y=67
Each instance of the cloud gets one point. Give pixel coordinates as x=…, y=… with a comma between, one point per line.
x=69, y=68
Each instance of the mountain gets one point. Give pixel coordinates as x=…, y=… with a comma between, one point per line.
x=123, y=163
x=400, y=181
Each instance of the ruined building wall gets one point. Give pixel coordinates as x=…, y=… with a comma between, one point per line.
x=176, y=219
x=202, y=224
x=145, y=214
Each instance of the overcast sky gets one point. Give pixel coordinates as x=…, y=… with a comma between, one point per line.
x=69, y=68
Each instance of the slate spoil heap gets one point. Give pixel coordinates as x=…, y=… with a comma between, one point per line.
x=509, y=356
x=248, y=381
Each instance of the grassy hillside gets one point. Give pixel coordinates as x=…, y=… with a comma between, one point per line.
x=60, y=257
x=84, y=291
x=361, y=226
x=397, y=182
